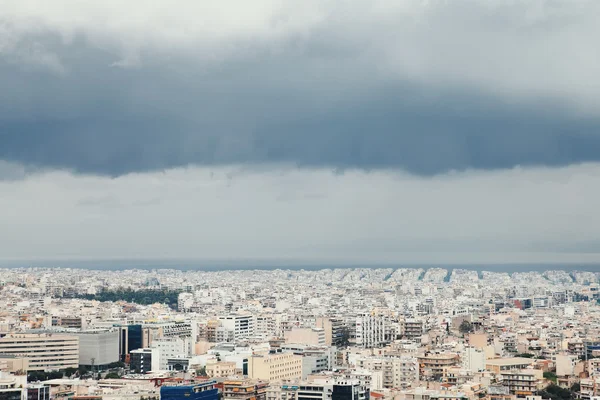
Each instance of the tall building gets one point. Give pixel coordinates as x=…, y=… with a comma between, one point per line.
x=43, y=351
x=275, y=366
x=473, y=359
x=242, y=325
x=98, y=347
x=334, y=330
x=371, y=330
x=140, y=361
x=164, y=349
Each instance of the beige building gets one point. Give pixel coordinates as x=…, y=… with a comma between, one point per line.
x=478, y=340
x=431, y=366
x=220, y=369
x=13, y=364
x=43, y=351
x=498, y=365
x=523, y=383
x=275, y=366
x=245, y=390
x=312, y=336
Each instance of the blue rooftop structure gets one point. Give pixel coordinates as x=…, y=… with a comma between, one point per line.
x=199, y=391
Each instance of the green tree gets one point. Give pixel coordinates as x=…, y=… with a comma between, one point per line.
x=551, y=376
x=112, y=375
x=345, y=337
x=465, y=327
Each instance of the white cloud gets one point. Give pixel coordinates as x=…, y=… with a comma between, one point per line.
x=235, y=213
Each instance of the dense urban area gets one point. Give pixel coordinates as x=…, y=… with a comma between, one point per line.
x=402, y=334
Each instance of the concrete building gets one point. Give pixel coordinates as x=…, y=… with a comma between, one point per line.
x=140, y=361
x=321, y=390
x=14, y=364
x=314, y=358
x=371, y=330
x=98, y=347
x=241, y=325
x=164, y=349
x=200, y=391
x=244, y=390
x=12, y=387
x=499, y=365
x=334, y=330
x=43, y=351
x=220, y=369
x=431, y=366
x=523, y=383
x=275, y=366
x=310, y=336
x=473, y=359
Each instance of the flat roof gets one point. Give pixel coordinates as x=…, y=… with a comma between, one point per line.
x=510, y=361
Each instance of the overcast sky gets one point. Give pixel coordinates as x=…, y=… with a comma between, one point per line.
x=385, y=131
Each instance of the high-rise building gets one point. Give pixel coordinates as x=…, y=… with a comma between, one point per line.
x=140, y=361
x=242, y=325
x=371, y=330
x=98, y=348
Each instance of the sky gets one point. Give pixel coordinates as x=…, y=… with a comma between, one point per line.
x=428, y=131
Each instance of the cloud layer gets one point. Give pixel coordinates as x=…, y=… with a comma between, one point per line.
x=285, y=213
x=422, y=86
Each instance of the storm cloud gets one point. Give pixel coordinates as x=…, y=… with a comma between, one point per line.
x=423, y=86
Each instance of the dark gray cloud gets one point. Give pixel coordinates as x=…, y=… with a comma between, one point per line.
x=329, y=98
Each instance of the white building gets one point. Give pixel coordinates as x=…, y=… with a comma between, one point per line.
x=165, y=348
x=370, y=330
x=473, y=359
x=98, y=347
x=242, y=325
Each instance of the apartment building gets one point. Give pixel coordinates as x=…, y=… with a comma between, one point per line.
x=275, y=366
x=396, y=372
x=431, y=366
x=67, y=322
x=473, y=359
x=371, y=330
x=523, y=383
x=241, y=325
x=314, y=358
x=43, y=351
x=220, y=369
x=311, y=336
x=499, y=365
x=334, y=330
x=244, y=390
x=590, y=388
x=412, y=328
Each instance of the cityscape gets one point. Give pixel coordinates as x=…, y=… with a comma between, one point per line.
x=281, y=334
x=299, y=200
